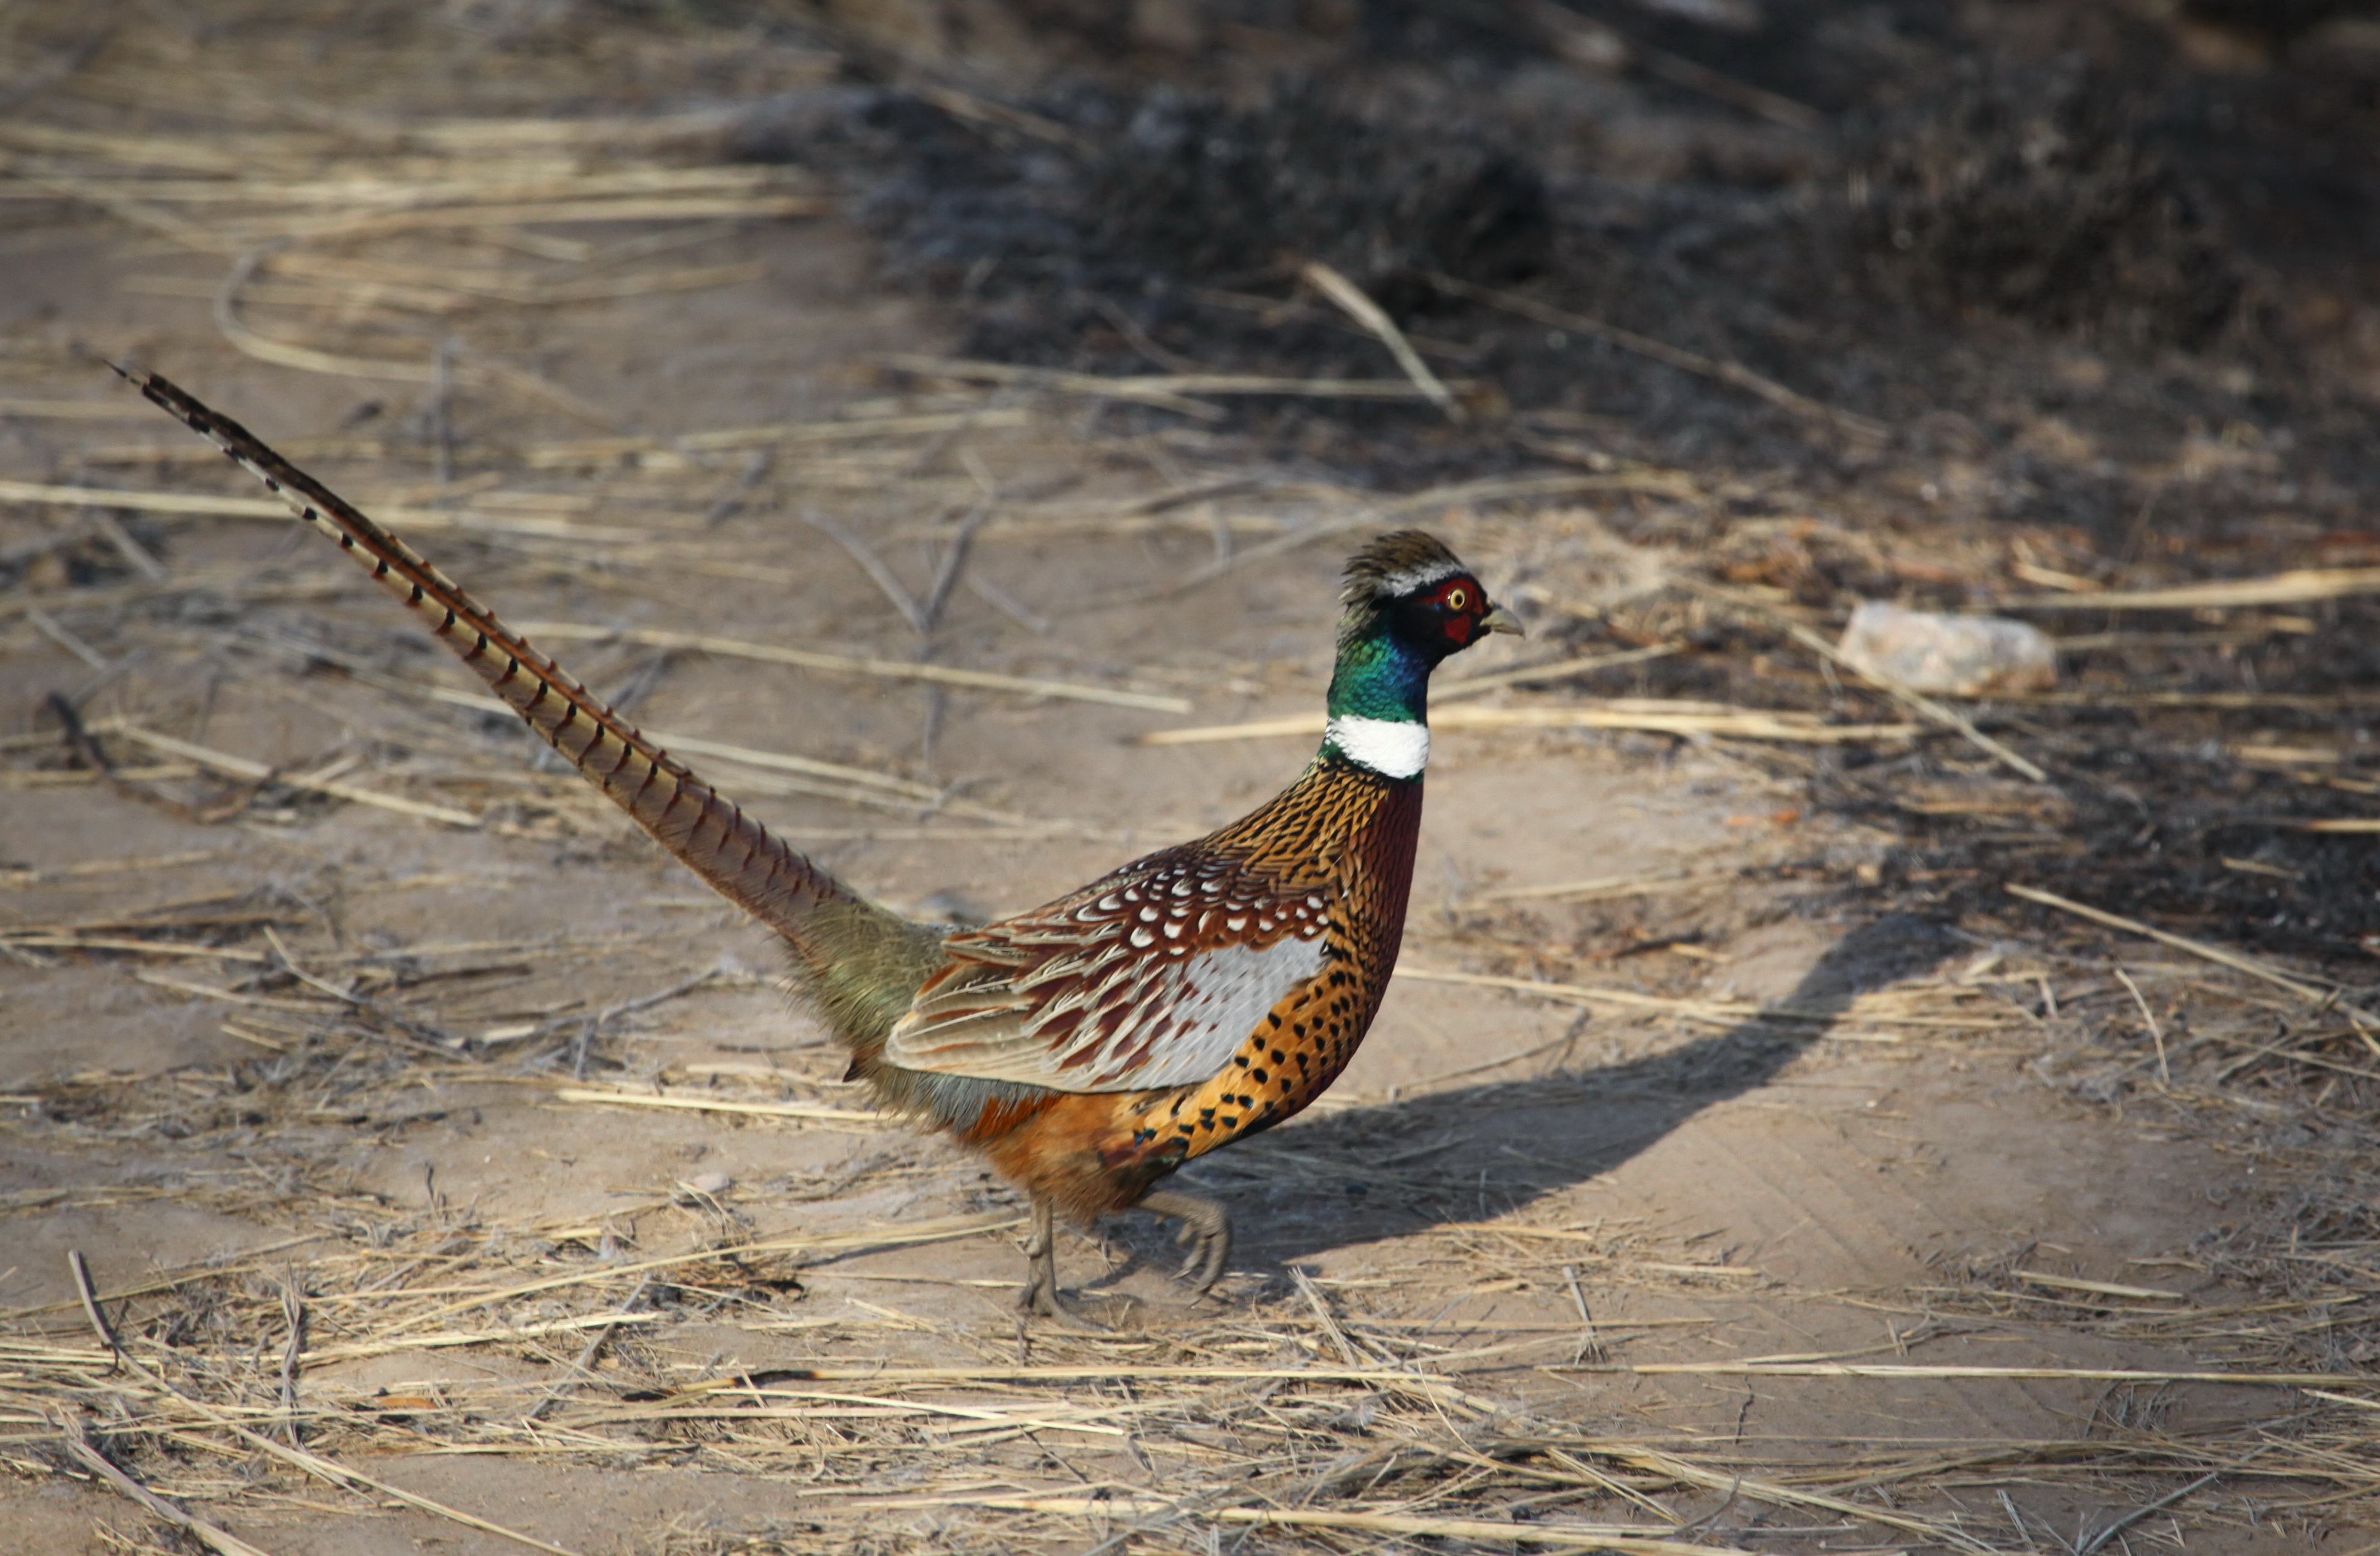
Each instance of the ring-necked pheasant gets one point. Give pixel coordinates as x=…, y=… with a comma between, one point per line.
x=1091, y=1046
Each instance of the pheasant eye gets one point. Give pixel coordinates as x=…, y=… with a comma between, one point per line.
x=1458, y=599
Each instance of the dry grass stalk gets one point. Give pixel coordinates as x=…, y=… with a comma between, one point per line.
x=212, y=1536
x=2098, y=1288
x=74, y=410
x=240, y=766
x=139, y=501
x=134, y=947
x=1733, y=723
x=2237, y=961
x=1476, y=685
x=1599, y=887
x=1618, y=1539
x=718, y=1104
x=1731, y=373
x=1916, y=702
x=320, y=1467
x=199, y=504
x=90, y=867
x=1921, y=1370
x=2301, y=587
x=840, y=664
x=1725, y=1013
x=926, y=1232
x=76, y=777
x=1171, y=390
x=1645, y=479
x=854, y=786
x=1352, y=299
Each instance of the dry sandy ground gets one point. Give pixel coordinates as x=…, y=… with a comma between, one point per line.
x=1905, y=1182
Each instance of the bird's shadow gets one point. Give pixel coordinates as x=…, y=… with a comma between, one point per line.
x=1475, y=1152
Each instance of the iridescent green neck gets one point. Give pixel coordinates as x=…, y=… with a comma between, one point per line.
x=1380, y=678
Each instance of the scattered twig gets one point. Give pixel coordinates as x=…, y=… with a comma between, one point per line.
x=56, y=68
x=1322, y=1310
x=1371, y=316
x=337, y=1473
x=843, y=664
x=1588, y=1345
x=602, y=1337
x=240, y=766
x=1170, y=391
x=1140, y=339
x=91, y=1307
x=883, y=577
x=293, y=1310
x=415, y=1034
x=718, y=1104
x=214, y=1537
x=591, y=1028
x=50, y=627
x=441, y=412
x=945, y=1230
x=2157, y=1032
x=2098, y=1542
x=731, y=502
x=1008, y=605
x=966, y=105
x=144, y=561
x=1599, y=885
x=1733, y=723
x=88, y=750
x=2236, y=960
x=1889, y=1370
x=953, y=565
x=1678, y=70
x=1916, y=702
x=2301, y=587
x=1473, y=686
x=1711, y=1012
x=1732, y=373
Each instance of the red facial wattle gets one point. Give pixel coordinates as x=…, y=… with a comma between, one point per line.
x=1461, y=602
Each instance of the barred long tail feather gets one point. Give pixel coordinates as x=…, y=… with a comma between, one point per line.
x=831, y=928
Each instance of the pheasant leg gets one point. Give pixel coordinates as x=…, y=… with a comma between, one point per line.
x=1040, y=1298
x=1205, y=1226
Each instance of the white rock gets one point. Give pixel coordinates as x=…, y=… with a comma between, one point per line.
x=1964, y=655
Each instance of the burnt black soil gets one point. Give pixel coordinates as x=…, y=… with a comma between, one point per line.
x=2047, y=245
x=1876, y=207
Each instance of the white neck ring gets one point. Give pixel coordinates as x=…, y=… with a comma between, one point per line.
x=1390, y=747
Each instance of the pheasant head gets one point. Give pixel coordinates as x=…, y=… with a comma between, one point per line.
x=1410, y=604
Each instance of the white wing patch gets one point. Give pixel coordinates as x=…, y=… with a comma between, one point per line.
x=1129, y=985
x=1218, y=998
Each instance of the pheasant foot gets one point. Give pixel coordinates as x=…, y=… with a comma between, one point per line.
x=1205, y=1226
x=1040, y=1297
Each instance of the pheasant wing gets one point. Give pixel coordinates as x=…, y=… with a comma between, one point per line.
x=1149, y=977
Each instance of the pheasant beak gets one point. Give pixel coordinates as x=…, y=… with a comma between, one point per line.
x=1500, y=620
